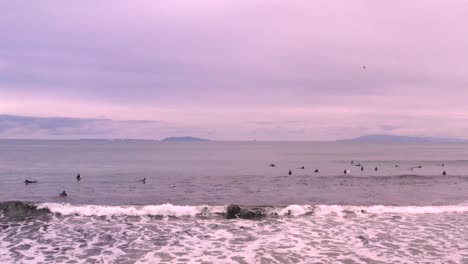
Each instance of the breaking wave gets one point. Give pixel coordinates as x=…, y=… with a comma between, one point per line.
x=131, y=210
x=202, y=210
x=27, y=209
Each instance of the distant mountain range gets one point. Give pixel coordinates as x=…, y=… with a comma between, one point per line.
x=184, y=139
x=391, y=138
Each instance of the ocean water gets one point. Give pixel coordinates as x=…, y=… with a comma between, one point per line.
x=401, y=214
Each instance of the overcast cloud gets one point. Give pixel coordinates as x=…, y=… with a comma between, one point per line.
x=235, y=70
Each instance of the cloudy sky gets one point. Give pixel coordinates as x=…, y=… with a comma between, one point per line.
x=233, y=70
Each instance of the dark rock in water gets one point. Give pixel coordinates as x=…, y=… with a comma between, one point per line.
x=252, y=213
x=232, y=211
x=21, y=210
x=235, y=211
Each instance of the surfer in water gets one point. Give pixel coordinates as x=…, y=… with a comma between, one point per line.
x=302, y=168
x=142, y=180
x=28, y=181
x=316, y=170
x=290, y=172
x=63, y=194
x=444, y=173
x=78, y=177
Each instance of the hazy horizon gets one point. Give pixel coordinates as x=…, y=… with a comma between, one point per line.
x=233, y=70
x=387, y=138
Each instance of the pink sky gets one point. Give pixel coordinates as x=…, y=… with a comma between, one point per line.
x=236, y=70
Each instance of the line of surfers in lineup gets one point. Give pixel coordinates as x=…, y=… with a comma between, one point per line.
x=64, y=194
x=347, y=171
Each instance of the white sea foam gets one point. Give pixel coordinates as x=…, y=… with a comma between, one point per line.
x=421, y=235
x=381, y=209
x=297, y=210
x=291, y=210
x=131, y=210
x=294, y=210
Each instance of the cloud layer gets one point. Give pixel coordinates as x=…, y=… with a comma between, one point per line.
x=20, y=127
x=238, y=69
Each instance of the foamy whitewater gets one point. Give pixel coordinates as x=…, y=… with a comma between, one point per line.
x=186, y=210
x=196, y=234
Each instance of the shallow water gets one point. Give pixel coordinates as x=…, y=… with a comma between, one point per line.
x=392, y=215
x=331, y=237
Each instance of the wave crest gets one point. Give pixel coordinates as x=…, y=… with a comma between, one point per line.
x=132, y=210
x=27, y=209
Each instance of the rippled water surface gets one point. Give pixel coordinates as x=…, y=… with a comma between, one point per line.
x=218, y=173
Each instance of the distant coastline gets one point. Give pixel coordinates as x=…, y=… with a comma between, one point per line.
x=365, y=138
x=184, y=139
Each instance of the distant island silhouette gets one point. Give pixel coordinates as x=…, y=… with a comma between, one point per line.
x=392, y=138
x=187, y=138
